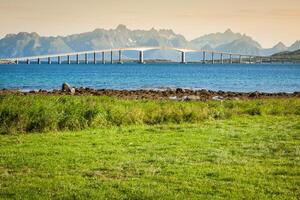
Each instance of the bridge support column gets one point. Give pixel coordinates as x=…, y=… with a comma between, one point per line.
x=77, y=59
x=103, y=57
x=17, y=62
x=141, y=61
x=204, y=55
x=68, y=59
x=39, y=61
x=86, y=60
x=111, y=57
x=212, y=58
x=95, y=60
x=183, y=61
x=222, y=59
x=28, y=61
x=58, y=60
x=249, y=59
x=240, y=59
x=49, y=60
x=120, y=57
x=230, y=58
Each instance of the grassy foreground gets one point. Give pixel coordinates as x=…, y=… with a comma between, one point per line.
x=24, y=114
x=210, y=150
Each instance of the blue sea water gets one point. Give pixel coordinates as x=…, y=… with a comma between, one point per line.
x=226, y=77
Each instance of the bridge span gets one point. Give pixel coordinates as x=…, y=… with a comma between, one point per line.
x=58, y=57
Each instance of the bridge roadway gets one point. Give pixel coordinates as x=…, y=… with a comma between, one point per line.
x=141, y=51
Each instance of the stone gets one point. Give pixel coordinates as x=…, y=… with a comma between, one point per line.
x=66, y=87
x=72, y=91
x=218, y=98
x=191, y=98
x=173, y=98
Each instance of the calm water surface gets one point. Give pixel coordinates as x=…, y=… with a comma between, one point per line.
x=243, y=78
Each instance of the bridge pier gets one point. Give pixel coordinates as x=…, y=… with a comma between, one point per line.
x=103, y=57
x=49, y=60
x=68, y=59
x=120, y=57
x=212, y=58
x=203, y=59
x=141, y=56
x=230, y=58
x=17, y=62
x=39, y=61
x=111, y=57
x=77, y=59
x=222, y=59
x=183, y=61
x=95, y=60
x=86, y=59
x=28, y=61
x=240, y=59
x=249, y=59
x=58, y=60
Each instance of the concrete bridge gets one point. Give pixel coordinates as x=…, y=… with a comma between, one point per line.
x=58, y=57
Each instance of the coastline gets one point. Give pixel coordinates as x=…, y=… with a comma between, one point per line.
x=167, y=94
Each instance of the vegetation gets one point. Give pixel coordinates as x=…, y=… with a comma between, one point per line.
x=249, y=157
x=22, y=114
x=134, y=149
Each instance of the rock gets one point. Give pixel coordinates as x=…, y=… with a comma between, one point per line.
x=179, y=90
x=191, y=98
x=218, y=98
x=173, y=98
x=72, y=91
x=67, y=88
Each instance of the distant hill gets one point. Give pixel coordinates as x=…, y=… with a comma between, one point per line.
x=288, y=53
x=287, y=56
x=29, y=44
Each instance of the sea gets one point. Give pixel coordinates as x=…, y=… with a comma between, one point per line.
x=271, y=78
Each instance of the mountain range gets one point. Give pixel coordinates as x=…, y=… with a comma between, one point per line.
x=29, y=44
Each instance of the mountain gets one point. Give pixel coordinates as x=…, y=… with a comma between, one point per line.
x=29, y=44
x=295, y=46
x=244, y=45
x=280, y=47
x=215, y=39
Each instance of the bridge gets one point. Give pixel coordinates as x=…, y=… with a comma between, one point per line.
x=141, y=50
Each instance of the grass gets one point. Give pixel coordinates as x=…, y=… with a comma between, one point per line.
x=247, y=157
x=25, y=114
x=109, y=148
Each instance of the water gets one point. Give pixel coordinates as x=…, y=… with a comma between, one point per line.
x=241, y=78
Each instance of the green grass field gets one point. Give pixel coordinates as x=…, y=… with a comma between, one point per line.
x=222, y=150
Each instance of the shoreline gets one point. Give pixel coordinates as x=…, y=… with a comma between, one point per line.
x=171, y=94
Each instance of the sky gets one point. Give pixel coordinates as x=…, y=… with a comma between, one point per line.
x=267, y=21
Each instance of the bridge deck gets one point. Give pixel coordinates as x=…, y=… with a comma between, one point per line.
x=140, y=49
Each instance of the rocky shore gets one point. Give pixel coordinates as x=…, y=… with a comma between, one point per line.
x=175, y=94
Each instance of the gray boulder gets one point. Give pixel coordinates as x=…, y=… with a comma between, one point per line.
x=67, y=88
